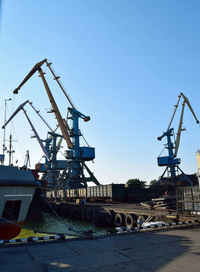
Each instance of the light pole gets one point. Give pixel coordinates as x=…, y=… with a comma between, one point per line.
x=4, y=133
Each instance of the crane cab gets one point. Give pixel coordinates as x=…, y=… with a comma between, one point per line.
x=87, y=153
x=165, y=161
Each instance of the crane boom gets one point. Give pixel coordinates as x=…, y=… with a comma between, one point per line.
x=32, y=72
x=37, y=136
x=176, y=106
x=59, y=118
x=190, y=107
x=13, y=115
x=178, y=137
x=185, y=101
x=21, y=107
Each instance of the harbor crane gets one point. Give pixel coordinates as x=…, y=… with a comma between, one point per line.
x=171, y=161
x=51, y=162
x=74, y=167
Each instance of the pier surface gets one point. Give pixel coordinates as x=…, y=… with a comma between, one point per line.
x=174, y=250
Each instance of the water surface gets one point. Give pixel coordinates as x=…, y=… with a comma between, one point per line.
x=50, y=223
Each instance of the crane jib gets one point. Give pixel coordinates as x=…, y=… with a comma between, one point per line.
x=59, y=118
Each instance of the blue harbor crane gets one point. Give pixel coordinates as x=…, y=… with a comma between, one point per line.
x=171, y=162
x=68, y=173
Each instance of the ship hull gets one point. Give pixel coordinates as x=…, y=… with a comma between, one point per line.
x=9, y=231
x=17, y=188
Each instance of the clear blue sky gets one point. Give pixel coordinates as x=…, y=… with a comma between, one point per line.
x=122, y=62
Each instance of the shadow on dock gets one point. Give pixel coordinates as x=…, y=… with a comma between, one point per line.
x=163, y=251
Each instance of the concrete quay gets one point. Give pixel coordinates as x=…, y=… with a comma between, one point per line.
x=163, y=251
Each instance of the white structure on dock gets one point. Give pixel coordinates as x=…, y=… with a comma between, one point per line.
x=198, y=164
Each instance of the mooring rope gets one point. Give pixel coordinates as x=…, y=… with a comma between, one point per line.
x=77, y=233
